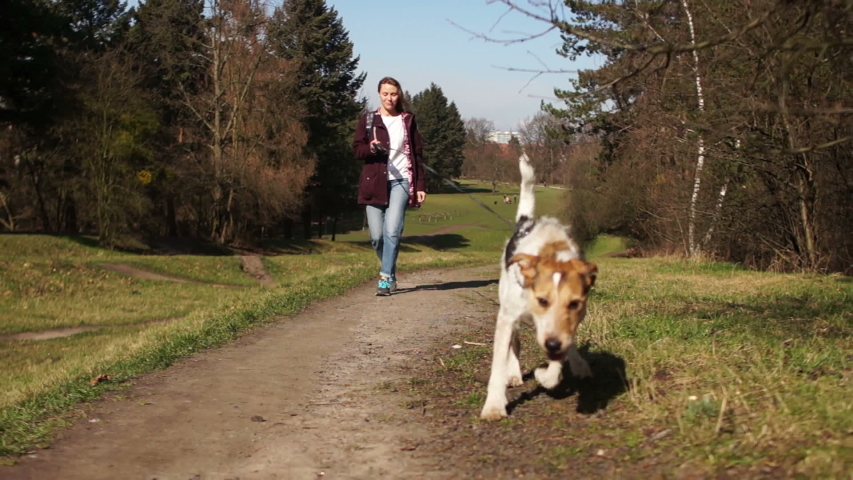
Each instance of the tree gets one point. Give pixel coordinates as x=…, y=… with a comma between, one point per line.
x=29, y=59
x=186, y=120
x=312, y=36
x=233, y=126
x=772, y=119
x=444, y=133
x=111, y=135
x=477, y=132
x=52, y=48
x=546, y=144
x=167, y=40
x=93, y=25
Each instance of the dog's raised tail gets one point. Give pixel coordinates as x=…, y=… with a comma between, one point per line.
x=526, y=199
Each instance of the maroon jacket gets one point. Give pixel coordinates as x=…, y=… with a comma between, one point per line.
x=373, y=184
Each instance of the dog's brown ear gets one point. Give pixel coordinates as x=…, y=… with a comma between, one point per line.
x=527, y=264
x=587, y=270
x=591, y=274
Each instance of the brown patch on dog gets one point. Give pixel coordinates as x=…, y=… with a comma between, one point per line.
x=566, y=300
x=551, y=249
x=527, y=264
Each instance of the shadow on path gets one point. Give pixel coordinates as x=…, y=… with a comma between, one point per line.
x=449, y=286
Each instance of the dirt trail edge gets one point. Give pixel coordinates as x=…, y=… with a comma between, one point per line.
x=305, y=397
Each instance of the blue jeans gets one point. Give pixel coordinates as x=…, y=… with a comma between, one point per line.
x=386, y=226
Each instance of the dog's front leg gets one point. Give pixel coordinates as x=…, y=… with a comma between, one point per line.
x=550, y=376
x=513, y=365
x=495, y=406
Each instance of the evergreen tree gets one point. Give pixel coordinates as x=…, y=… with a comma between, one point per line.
x=93, y=24
x=443, y=131
x=311, y=34
x=28, y=62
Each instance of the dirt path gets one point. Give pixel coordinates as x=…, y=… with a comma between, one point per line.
x=307, y=397
x=253, y=266
x=132, y=271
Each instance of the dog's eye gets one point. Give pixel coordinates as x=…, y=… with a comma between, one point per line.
x=543, y=302
x=574, y=305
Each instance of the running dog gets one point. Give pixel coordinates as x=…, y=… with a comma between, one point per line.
x=543, y=277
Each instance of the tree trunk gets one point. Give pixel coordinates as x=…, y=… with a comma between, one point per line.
x=306, y=221
x=693, y=248
x=70, y=215
x=36, y=182
x=171, y=217
x=9, y=223
x=718, y=211
x=806, y=195
x=287, y=228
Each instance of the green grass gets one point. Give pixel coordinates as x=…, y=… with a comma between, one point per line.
x=212, y=269
x=469, y=219
x=39, y=295
x=605, y=244
x=774, y=349
x=52, y=282
x=743, y=371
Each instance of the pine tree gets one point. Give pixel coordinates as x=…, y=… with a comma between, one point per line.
x=28, y=63
x=312, y=34
x=443, y=132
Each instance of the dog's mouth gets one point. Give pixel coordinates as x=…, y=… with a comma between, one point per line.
x=555, y=357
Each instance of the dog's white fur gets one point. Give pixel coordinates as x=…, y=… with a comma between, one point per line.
x=547, y=243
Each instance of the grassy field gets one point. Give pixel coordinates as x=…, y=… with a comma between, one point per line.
x=701, y=368
x=705, y=369
x=133, y=325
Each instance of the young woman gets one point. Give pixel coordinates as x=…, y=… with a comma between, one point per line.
x=392, y=178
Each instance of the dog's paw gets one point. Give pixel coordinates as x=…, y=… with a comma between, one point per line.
x=546, y=378
x=493, y=412
x=514, y=381
x=580, y=369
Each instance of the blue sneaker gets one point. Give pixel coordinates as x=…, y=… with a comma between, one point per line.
x=383, y=289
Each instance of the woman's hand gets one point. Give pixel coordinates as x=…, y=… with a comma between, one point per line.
x=421, y=197
x=373, y=144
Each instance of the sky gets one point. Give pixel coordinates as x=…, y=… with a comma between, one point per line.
x=414, y=42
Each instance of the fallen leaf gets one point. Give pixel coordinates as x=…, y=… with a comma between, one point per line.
x=409, y=448
x=258, y=418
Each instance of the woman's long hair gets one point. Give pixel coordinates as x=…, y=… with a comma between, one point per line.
x=402, y=104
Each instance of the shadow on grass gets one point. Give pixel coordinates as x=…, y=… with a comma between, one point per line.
x=449, y=286
x=466, y=189
x=594, y=394
x=156, y=245
x=444, y=241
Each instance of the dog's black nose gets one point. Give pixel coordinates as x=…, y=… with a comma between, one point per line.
x=552, y=345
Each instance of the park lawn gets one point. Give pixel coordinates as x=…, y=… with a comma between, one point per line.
x=40, y=294
x=53, y=282
x=702, y=368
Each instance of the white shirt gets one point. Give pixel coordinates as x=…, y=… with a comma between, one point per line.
x=397, y=161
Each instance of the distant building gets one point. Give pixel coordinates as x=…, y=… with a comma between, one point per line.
x=503, y=137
